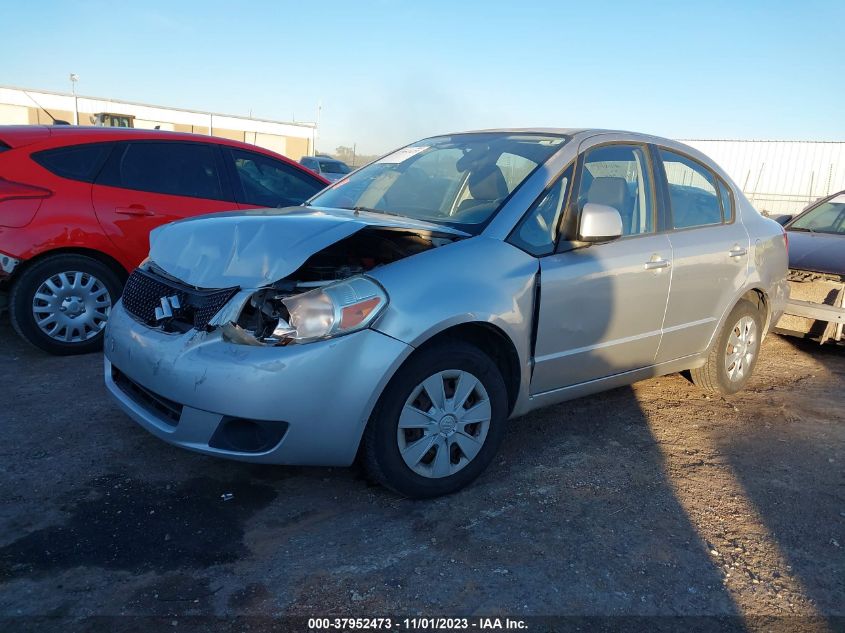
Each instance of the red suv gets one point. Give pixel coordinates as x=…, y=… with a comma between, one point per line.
x=77, y=205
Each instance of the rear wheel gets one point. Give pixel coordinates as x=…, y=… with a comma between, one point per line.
x=61, y=304
x=439, y=422
x=734, y=354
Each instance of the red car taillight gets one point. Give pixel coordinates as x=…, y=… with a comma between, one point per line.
x=785, y=239
x=10, y=190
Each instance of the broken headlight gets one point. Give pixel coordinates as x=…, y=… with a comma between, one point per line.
x=331, y=310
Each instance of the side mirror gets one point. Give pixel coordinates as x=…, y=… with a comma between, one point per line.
x=599, y=223
x=781, y=219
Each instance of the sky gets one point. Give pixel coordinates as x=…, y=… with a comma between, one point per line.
x=388, y=72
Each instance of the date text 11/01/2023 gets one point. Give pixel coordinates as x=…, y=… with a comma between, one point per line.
x=416, y=624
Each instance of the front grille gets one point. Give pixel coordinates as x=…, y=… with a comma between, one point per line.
x=167, y=410
x=145, y=290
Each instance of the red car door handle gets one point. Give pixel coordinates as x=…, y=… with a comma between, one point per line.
x=134, y=209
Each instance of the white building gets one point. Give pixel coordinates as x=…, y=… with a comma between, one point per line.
x=20, y=106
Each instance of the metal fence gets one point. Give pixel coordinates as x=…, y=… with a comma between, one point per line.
x=780, y=176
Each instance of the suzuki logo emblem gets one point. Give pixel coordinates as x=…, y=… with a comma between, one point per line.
x=168, y=305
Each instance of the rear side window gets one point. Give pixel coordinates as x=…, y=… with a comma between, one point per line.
x=177, y=169
x=266, y=182
x=693, y=192
x=77, y=162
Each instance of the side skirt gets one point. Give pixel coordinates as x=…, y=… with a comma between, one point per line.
x=611, y=382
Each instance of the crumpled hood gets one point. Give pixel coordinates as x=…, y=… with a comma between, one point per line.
x=819, y=252
x=255, y=248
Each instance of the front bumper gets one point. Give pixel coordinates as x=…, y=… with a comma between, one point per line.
x=320, y=394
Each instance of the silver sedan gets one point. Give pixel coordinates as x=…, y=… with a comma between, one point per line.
x=405, y=313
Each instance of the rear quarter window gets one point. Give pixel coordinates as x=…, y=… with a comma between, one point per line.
x=77, y=162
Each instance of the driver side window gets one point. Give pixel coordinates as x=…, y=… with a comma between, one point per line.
x=618, y=176
x=266, y=182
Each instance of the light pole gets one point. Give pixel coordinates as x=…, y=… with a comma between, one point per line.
x=315, y=129
x=73, y=79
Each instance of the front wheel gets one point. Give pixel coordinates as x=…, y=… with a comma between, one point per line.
x=734, y=353
x=439, y=422
x=61, y=303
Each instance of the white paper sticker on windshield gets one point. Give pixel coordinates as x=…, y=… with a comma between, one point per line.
x=401, y=155
x=839, y=199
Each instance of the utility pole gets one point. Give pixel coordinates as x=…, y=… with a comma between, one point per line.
x=314, y=132
x=73, y=79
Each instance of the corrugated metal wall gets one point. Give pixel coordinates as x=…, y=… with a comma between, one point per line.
x=780, y=176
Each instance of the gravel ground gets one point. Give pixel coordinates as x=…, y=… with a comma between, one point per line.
x=654, y=500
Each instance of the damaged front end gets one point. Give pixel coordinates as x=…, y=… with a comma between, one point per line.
x=328, y=295
x=815, y=309
x=273, y=317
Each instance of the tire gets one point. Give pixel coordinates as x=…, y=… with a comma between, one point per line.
x=71, y=296
x=454, y=365
x=724, y=376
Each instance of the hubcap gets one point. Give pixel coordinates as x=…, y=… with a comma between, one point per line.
x=444, y=423
x=71, y=307
x=741, y=349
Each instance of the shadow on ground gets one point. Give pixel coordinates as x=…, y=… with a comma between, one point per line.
x=585, y=512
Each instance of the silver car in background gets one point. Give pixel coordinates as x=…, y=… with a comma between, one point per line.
x=406, y=312
x=329, y=168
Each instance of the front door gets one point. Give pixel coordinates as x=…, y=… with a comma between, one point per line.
x=602, y=306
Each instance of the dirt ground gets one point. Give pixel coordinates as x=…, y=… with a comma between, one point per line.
x=654, y=500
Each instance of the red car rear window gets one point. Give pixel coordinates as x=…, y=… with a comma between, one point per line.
x=77, y=162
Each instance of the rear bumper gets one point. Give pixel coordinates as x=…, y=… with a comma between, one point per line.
x=312, y=401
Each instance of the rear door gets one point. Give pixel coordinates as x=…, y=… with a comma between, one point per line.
x=148, y=183
x=710, y=248
x=259, y=180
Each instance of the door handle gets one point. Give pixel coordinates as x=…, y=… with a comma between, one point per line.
x=655, y=264
x=737, y=251
x=134, y=209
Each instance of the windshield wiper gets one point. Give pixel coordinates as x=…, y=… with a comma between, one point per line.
x=359, y=209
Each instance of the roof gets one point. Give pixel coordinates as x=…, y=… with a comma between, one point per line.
x=21, y=135
x=25, y=134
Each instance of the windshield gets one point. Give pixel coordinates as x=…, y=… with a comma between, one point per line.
x=459, y=180
x=333, y=167
x=828, y=217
